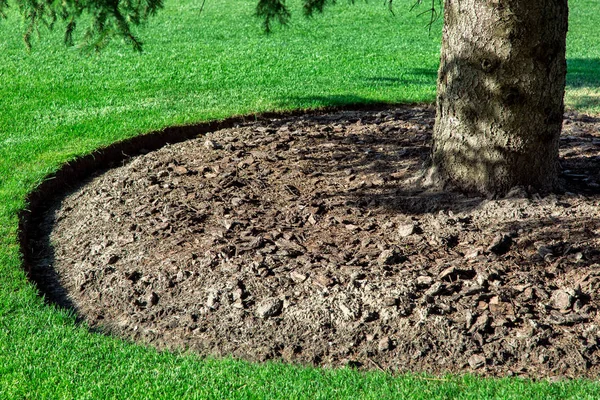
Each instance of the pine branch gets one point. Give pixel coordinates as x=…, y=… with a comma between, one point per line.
x=3, y=6
x=270, y=10
x=109, y=19
x=433, y=11
x=310, y=6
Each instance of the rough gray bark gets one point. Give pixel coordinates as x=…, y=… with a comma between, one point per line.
x=500, y=94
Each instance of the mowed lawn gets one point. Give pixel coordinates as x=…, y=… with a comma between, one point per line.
x=56, y=104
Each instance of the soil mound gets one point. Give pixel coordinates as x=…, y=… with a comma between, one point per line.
x=302, y=239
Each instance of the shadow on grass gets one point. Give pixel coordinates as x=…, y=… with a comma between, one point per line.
x=583, y=73
x=417, y=76
x=583, y=82
x=326, y=101
x=585, y=100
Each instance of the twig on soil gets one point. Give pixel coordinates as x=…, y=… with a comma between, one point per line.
x=376, y=364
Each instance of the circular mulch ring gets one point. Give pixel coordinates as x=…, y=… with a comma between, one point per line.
x=302, y=239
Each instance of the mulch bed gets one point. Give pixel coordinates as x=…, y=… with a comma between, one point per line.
x=308, y=240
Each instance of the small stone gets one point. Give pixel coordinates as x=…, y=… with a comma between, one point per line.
x=228, y=224
x=269, y=308
x=347, y=312
x=236, y=201
x=237, y=294
x=502, y=309
x=152, y=299
x=453, y=273
x=212, y=300
x=324, y=280
x=576, y=257
x=562, y=300
x=298, y=277
x=528, y=294
x=468, y=319
x=556, y=318
x=210, y=145
x=384, y=344
x=239, y=304
x=482, y=279
x=390, y=257
x=524, y=333
x=180, y=170
x=500, y=245
x=424, y=280
x=390, y=301
x=481, y=323
x=406, y=230
x=472, y=254
x=435, y=289
x=477, y=361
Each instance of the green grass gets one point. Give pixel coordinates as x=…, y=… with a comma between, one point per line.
x=56, y=104
x=583, y=58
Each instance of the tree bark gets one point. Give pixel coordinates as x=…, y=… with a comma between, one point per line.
x=500, y=91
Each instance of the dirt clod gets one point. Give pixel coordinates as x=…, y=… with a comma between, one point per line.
x=407, y=230
x=476, y=361
x=384, y=344
x=269, y=308
x=500, y=244
x=563, y=299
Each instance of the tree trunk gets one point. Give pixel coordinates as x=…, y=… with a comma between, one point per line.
x=500, y=90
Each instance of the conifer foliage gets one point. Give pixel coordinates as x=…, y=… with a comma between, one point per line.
x=106, y=19
x=102, y=20
x=269, y=10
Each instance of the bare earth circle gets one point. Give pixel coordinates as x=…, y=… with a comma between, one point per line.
x=300, y=239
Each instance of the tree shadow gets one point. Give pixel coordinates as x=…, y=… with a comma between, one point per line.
x=584, y=82
x=380, y=165
x=416, y=76
x=586, y=101
x=583, y=73
x=381, y=161
x=565, y=236
x=328, y=102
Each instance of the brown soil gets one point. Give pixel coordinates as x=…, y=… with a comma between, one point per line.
x=303, y=239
